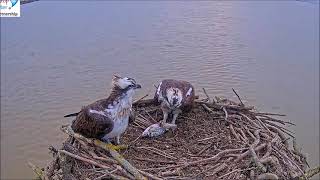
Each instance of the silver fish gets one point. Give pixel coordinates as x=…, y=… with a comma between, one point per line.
x=158, y=129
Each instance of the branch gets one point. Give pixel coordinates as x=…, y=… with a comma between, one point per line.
x=311, y=172
x=127, y=166
x=303, y=158
x=37, y=170
x=226, y=113
x=211, y=101
x=238, y=97
x=136, y=101
x=91, y=162
x=150, y=175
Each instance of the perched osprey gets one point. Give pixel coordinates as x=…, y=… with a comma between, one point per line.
x=174, y=96
x=107, y=118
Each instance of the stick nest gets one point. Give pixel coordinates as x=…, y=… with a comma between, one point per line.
x=218, y=139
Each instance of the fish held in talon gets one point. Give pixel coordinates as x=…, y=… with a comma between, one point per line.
x=158, y=129
x=174, y=97
x=107, y=118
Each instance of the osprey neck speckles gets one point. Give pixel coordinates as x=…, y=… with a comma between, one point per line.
x=107, y=118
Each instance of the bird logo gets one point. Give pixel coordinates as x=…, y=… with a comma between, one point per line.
x=13, y=2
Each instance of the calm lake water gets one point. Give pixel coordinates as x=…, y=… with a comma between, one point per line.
x=61, y=55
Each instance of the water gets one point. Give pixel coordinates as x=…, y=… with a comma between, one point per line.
x=61, y=55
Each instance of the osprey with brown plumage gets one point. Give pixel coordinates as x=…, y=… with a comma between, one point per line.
x=107, y=118
x=174, y=97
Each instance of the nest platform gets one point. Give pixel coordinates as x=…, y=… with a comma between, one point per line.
x=217, y=139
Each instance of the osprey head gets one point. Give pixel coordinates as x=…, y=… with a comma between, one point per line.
x=174, y=97
x=124, y=83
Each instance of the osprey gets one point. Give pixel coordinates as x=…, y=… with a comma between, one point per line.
x=174, y=96
x=107, y=118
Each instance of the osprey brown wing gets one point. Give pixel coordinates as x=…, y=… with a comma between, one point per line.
x=92, y=125
x=188, y=98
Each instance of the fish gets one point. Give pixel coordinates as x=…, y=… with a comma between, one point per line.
x=158, y=129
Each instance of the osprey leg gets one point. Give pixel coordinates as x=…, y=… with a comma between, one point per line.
x=165, y=114
x=118, y=140
x=175, y=115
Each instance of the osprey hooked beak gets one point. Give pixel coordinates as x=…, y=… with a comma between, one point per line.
x=137, y=86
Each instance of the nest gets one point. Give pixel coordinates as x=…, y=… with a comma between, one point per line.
x=217, y=139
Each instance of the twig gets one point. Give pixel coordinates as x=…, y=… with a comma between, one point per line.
x=154, y=161
x=273, y=160
x=136, y=124
x=107, y=175
x=150, y=175
x=213, y=158
x=226, y=113
x=250, y=120
x=204, y=149
x=188, y=118
x=250, y=134
x=277, y=126
x=299, y=153
x=154, y=121
x=218, y=169
x=206, y=107
x=162, y=168
x=231, y=107
x=157, y=151
x=284, y=155
x=267, y=118
x=143, y=120
x=269, y=176
x=277, y=130
x=281, y=135
x=237, y=170
x=90, y=162
x=140, y=99
x=256, y=160
x=233, y=132
x=263, y=125
x=271, y=114
x=209, y=99
x=171, y=173
x=206, y=170
x=37, y=170
x=253, y=153
x=102, y=158
x=243, y=155
x=238, y=97
x=124, y=172
x=311, y=172
x=131, y=143
x=268, y=152
x=243, y=135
